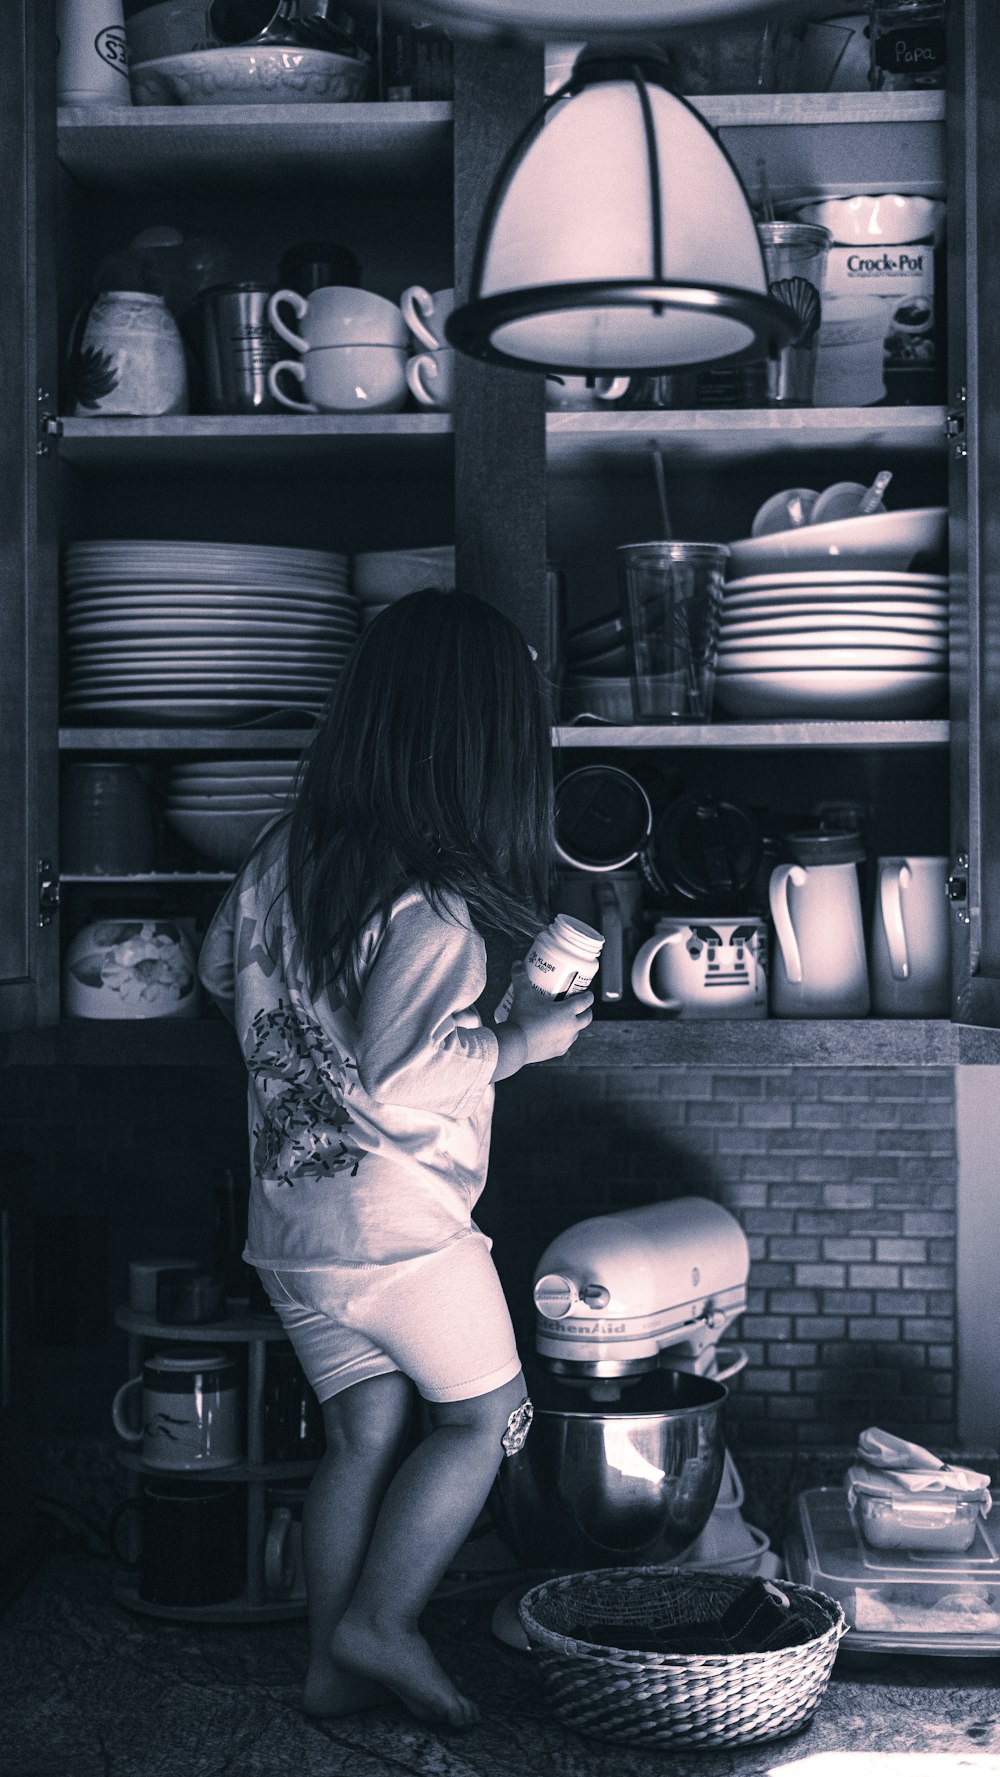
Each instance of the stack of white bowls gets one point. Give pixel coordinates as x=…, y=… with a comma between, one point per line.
x=597, y=678
x=380, y=577
x=815, y=622
x=221, y=806
x=175, y=631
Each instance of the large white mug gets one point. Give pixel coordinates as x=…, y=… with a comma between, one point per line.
x=704, y=967
x=344, y=379
x=338, y=315
x=430, y=378
x=192, y=1412
x=92, y=53
x=911, y=939
x=819, y=969
x=425, y=314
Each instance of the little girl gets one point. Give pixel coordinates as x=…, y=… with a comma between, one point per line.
x=348, y=956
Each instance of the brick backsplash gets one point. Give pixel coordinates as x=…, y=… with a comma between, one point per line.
x=844, y=1181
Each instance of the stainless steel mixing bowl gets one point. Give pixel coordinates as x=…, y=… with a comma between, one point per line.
x=613, y=1483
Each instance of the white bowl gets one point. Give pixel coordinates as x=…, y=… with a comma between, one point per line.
x=381, y=575
x=838, y=693
x=891, y=540
x=248, y=74
x=226, y=838
x=597, y=696
x=886, y=219
x=131, y=968
x=774, y=658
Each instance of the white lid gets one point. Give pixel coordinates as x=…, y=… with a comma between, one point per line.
x=187, y=1361
x=576, y=935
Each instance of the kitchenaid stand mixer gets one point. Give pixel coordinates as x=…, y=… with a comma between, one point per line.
x=625, y=1463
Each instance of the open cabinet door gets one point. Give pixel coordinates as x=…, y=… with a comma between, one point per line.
x=29, y=949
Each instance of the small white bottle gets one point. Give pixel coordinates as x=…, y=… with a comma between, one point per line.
x=562, y=960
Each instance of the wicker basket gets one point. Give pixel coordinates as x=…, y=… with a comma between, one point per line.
x=669, y=1699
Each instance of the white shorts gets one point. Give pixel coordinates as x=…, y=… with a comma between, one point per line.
x=440, y=1318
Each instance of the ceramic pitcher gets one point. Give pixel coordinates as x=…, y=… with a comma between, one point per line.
x=911, y=939
x=127, y=357
x=819, y=968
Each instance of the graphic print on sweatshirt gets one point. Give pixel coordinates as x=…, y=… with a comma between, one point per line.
x=301, y=1082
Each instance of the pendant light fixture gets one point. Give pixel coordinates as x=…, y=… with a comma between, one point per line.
x=618, y=236
x=549, y=20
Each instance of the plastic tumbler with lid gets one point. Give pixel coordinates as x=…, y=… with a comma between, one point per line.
x=671, y=596
x=562, y=960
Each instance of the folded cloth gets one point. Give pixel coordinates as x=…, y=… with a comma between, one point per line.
x=893, y=1468
x=760, y=1620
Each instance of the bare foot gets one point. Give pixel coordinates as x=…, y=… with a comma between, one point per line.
x=329, y=1691
x=400, y=1658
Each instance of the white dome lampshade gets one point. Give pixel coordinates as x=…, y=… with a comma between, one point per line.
x=618, y=237
x=548, y=20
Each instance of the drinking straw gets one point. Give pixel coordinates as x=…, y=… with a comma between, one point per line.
x=661, y=493
x=870, y=500
x=766, y=200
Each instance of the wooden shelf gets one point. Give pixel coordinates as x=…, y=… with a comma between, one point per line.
x=234, y=1329
x=609, y=1043
x=785, y=734
x=235, y=1610
x=389, y=443
x=618, y=441
x=263, y=1472
x=105, y=739
x=365, y=146
x=158, y=878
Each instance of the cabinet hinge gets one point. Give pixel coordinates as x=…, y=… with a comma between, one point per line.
x=957, y=885
x=49, y=425
x=954, y=424
x=48, y=892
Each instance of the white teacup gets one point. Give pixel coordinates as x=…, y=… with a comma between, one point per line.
x=702, y=967
x=338, y=315
x=425, y=314
x=344, y=379
x=583, y=392
x=430, y=378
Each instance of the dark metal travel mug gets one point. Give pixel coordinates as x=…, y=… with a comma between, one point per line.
x=239, y=345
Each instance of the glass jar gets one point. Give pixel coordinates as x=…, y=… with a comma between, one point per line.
x=907, y=44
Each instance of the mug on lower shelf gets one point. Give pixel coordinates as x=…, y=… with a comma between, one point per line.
x=191, y=1411
x=189, y=1544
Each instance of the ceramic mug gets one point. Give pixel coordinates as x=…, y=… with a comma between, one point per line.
x=820, y=968
x=584, y=392
x=911, y=939
x=192, y=1413
x=126, y=356
x=338, y=315
x=284, y=1569
x=144, y=1277
x=430, y=378
x=92, y=53
x=344, y=379
x=699, y=966
x=190, y=1544
x=425, y=314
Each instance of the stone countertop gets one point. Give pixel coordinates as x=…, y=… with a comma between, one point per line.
x=88, y=1690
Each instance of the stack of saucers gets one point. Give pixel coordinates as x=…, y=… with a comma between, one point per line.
x=179, y=632
x=597, y=680
x=843, y=642
x=220, y=806
x=381, y=576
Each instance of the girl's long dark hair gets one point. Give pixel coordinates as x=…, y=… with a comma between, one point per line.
x=431, y=766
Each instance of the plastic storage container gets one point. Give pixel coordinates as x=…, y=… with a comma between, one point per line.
x=925, y=1524
x=898, y=1601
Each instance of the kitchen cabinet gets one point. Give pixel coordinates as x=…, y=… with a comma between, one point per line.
x=405, y=185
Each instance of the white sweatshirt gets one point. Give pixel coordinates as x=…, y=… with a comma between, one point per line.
x=370, y=1112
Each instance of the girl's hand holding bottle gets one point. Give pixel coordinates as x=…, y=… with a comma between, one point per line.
x=550, y=1026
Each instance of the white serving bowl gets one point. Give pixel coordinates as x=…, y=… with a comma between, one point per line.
x=894, y=541
x=131, y=968
x=597, y=696
x=379, y=576
x=250, y=74
x=225, y=837
x=886, y=219
x=838, y=693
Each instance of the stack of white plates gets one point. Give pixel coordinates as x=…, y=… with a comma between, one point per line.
x=843, y=643
x=381, y=576
x=220, y=806
x=203, y=631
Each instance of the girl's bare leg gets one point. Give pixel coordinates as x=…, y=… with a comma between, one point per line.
x=365, y=1427
x=428, y=1511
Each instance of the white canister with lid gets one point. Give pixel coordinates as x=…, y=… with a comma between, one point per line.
x=563, y=960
